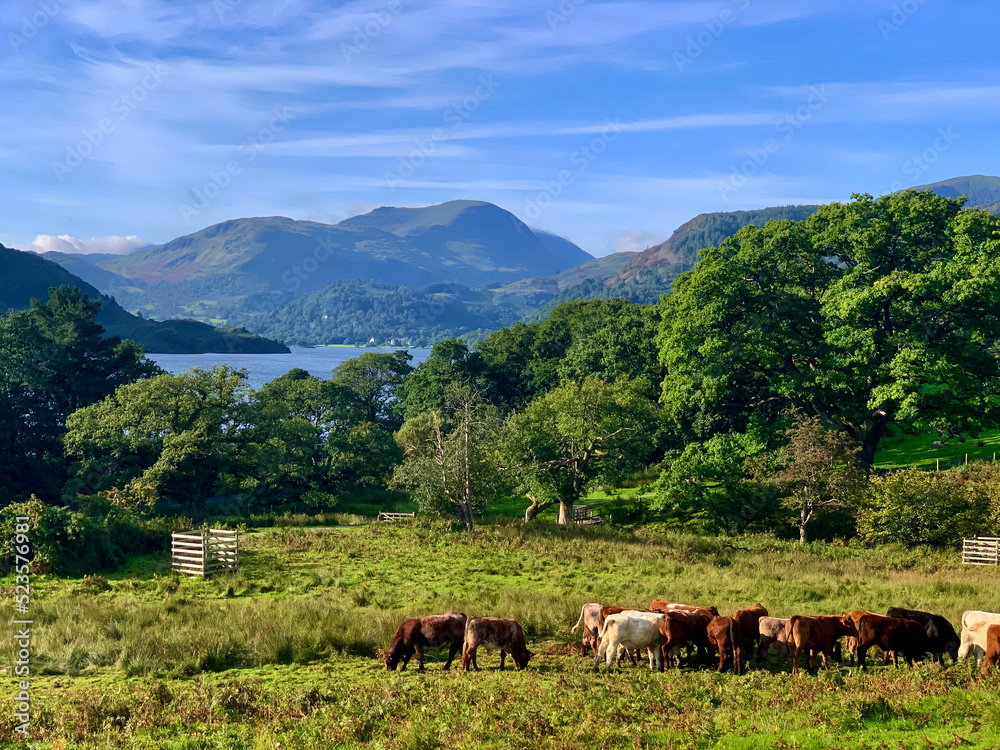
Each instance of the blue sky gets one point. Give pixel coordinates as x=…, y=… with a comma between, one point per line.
x=134, y=121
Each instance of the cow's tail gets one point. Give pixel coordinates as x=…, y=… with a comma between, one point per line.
x=789, y=627
x=579, y=622
x=736, y=640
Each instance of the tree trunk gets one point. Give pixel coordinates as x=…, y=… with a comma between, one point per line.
x=535, y=508
x=870, y=437
x=566, y=513
x=467, y=512
x=805, y=514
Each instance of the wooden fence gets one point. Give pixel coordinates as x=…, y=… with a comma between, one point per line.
x=206, y=552
x=382, y=516
x=981, y=550
x=584, y=516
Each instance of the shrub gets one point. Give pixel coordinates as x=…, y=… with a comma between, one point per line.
x=918, y=507
x=96, y=537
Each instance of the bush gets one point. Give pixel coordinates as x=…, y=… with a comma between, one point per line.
x=918, y=507
x=97, y=537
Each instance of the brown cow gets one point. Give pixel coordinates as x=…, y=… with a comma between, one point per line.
x=497, y=635
x=812, y=634
x=433, y=631
x=724, y=634
x=992, y=648
x=679, y=628
x=590, y=619
x=851, y=641
x=749, y=622
x=893, y=636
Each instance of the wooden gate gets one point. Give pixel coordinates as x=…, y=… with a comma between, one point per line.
x=981, y=550
x=206, y=552
x=585, y=516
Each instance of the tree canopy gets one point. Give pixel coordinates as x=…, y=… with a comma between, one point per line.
x=866, y=314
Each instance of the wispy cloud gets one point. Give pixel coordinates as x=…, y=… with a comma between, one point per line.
x=64, y=243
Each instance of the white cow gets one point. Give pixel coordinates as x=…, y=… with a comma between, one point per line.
x=628, y=630
x=974, y=627
x=772, y=632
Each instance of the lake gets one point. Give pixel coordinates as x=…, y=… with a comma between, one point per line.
x=263, y=368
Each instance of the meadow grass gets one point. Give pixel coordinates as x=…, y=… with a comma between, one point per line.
x=286, y=650
x=915, y=450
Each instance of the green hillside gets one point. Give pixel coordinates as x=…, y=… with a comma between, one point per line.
x=274, y=259
x=24, y=276
x=981, y=191
x=650, y=273
x=359, y=312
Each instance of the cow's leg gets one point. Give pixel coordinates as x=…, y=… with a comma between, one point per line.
x=404, y=661
x=503, y=658
x=452, y=650
x=420, y=656
x=863, y=655
x=722, y=657
x=466, y=657
x=825, y=653
x=795, y=660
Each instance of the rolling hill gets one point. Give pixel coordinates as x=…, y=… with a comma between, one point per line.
x=981, y=191
x=649, y=274
x=258, y=262
x=26, y=276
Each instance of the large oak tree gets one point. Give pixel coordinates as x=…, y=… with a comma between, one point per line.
x=866, y=314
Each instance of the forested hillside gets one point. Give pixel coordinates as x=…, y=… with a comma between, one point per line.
x=26, y=276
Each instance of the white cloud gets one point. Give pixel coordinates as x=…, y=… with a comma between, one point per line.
x=636, y=240
x=64, y=243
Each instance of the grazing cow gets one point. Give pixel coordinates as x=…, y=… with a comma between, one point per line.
x=816, y=634
x=852, y=641
x=749, y=622
x=771, y=631
x=893, y=636
x=630, y=630
x=495, y=634
x=661, y=605
x=724, y=634
x=680, y=628
x=590, y=619
x=941, y=635
x=992, y=648
x=434, y=631
x=607, y=612
x=974, y=627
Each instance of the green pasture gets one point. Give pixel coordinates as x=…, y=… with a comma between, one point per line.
x=286, y=651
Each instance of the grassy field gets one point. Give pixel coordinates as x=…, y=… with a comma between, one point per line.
x=284, y=654
x=916, y=450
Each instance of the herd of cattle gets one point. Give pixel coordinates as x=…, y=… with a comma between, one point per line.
x=749, y=636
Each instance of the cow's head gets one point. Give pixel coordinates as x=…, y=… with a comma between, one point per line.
x=394, y=653
x=521, y=659
x=951, y=648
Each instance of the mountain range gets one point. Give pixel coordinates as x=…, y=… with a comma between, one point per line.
x=408, y=275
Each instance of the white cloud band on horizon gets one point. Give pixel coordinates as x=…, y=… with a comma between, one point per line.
x=64, y=243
